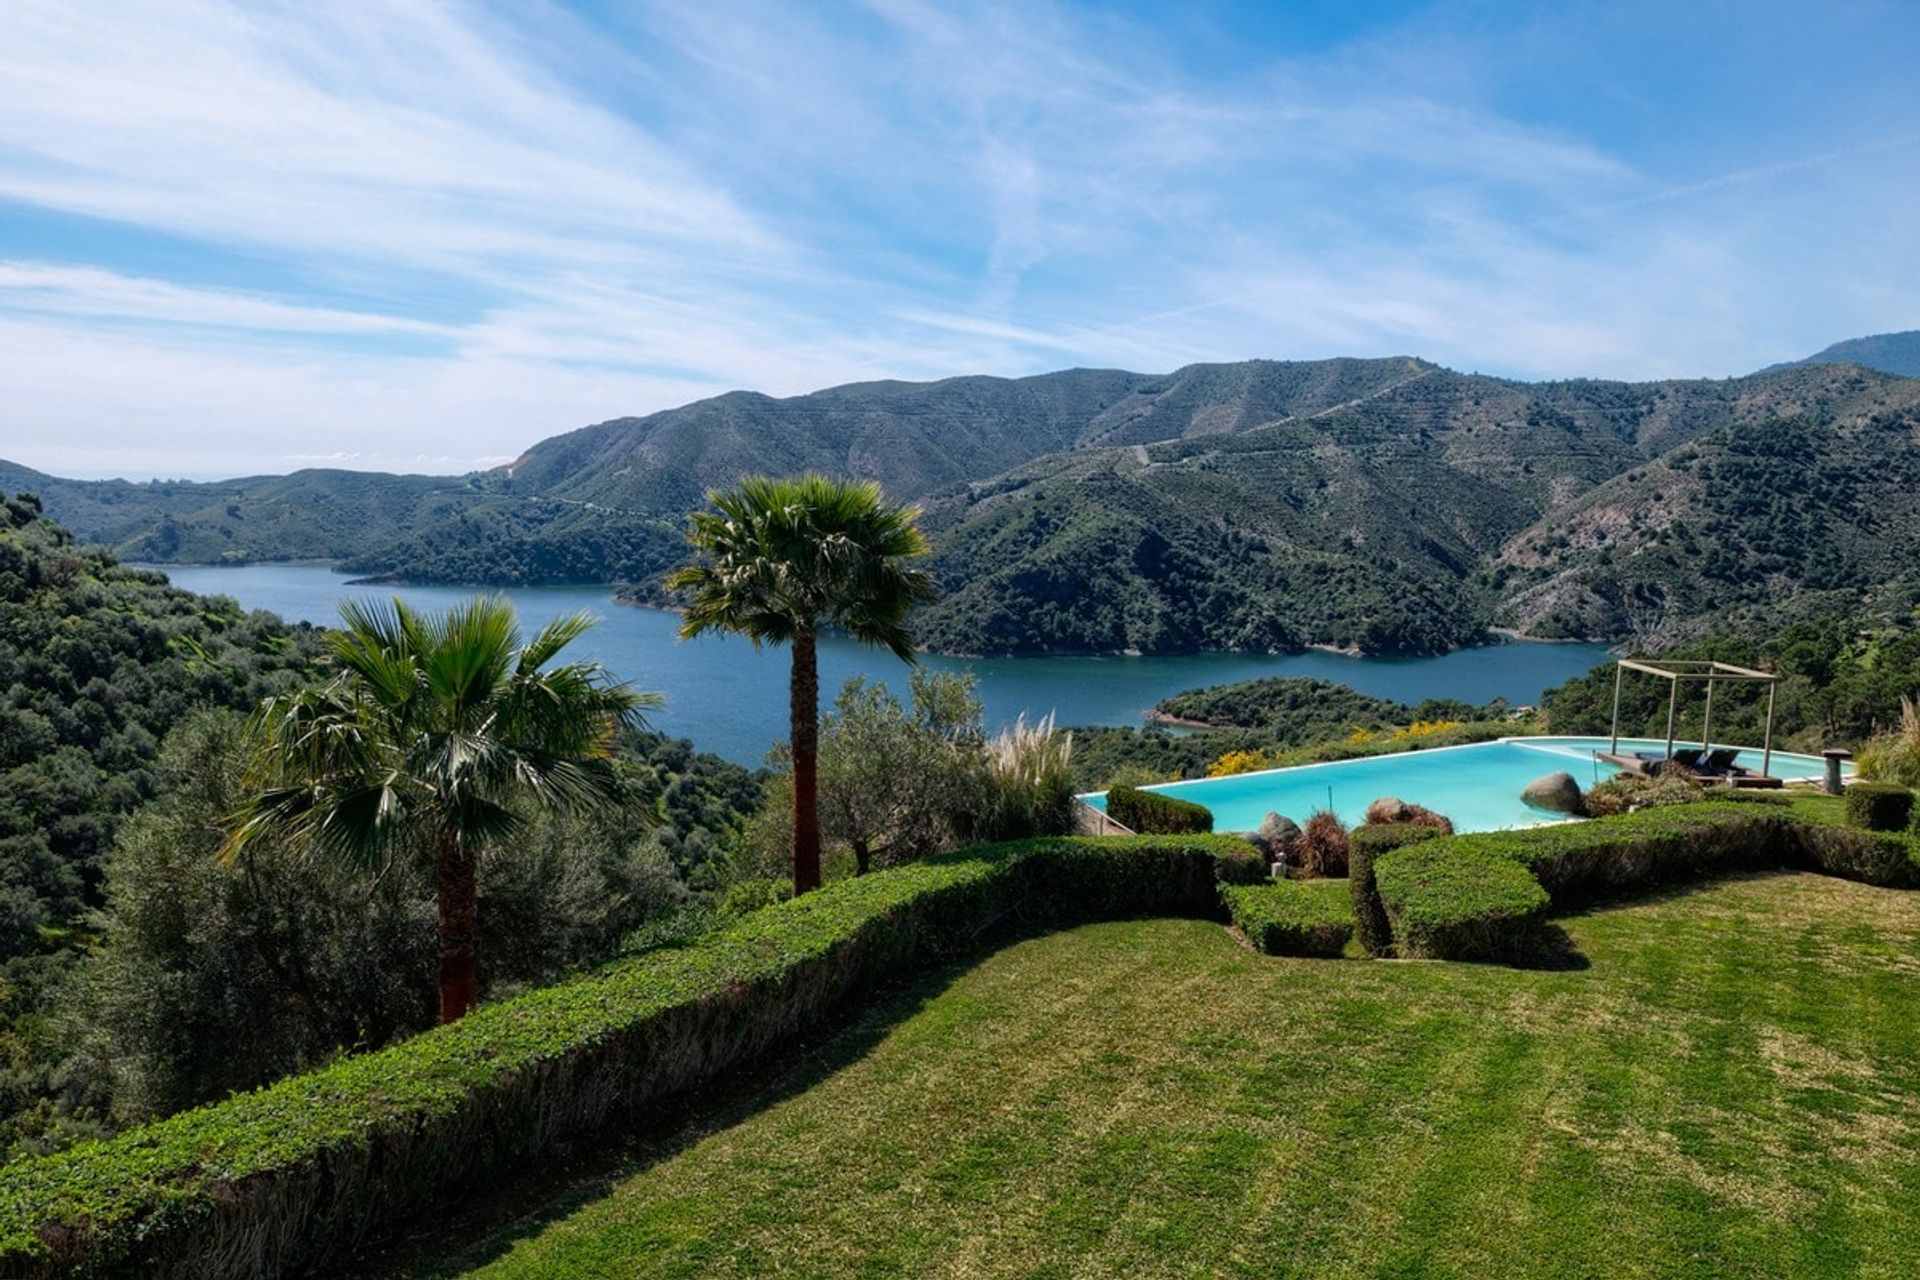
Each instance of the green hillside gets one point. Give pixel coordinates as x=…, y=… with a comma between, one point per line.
x=1817, y=509
x=1384, y=505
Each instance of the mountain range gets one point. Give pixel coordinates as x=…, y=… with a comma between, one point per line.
x=1385, y=505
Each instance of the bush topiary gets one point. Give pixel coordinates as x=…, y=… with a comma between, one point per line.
x=1323, y=845
x=1363, y=847
x=1879, y=806
x=1154, y=813
x=1292, y=917
x=1446, y=902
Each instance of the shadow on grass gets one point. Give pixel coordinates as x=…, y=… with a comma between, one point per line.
x=1553, y=949
x=476, y=1226
x=1663, y=891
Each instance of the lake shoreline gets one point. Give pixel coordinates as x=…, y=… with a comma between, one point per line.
x=731, y=699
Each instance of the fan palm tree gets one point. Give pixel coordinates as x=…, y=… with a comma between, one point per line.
x=436, y=733
x=783, y=559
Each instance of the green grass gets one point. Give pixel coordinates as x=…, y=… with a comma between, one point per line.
x=1727, y=1088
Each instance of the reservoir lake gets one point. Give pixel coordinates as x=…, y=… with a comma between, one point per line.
x=732, y=700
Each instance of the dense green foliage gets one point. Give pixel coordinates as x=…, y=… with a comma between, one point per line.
x=436, y=737
x=1292, y=709
x=1813, y=513
x=1879, y=806
x=212, y=976
x=1292, y=917
x=900, y=782
x=1841, y=680
x=293, y=1174
x=1152, y=813
x=1388, y=505
x=97, y=663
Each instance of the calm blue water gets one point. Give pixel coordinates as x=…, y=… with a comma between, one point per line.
x=732, y=700
x=1477, y=786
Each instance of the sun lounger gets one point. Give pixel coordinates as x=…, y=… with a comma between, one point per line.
x=1720, y=763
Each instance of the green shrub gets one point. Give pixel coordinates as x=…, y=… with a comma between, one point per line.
x=746, y=896
x=1879, y=806
x=1364, y=847
x=1237, y=862
x=293, y=1176
x=1448, y=902
x=1292, y=917
x=1154, y=813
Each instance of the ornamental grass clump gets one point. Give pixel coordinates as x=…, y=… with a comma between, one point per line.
x=1894, y=756
x=1323, y=845
x=1027, y=774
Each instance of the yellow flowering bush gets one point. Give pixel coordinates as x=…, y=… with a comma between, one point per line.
x=1238, y=762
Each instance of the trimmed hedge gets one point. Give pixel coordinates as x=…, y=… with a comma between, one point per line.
x=1364, y=848
x=296, y=1175
x=1292, y=917
x=1879, y=806
x=1449, y=903
x=1444, y=898
x=1150, y=813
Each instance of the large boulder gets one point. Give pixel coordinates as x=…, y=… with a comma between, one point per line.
x=1557, y=792
x=1277, y=838
x=1393, y=811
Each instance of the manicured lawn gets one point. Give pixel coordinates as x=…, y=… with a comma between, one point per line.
x=1730, y=1088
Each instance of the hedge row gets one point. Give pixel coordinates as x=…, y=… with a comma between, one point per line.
x=294, y=1176
x=1879, y=806
x=1150, y=813
x=1292, y=917
x=1484, y=896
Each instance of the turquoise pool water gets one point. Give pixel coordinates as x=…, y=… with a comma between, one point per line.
x=1477, y=786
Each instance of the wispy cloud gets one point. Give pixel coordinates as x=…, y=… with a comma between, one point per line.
x=425, y=233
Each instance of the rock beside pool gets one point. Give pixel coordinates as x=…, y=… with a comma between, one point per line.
x=1393, y=810
x=1557, y=792
x=1277, y=838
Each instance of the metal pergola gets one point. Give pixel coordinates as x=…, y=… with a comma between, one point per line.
x=1678, y=671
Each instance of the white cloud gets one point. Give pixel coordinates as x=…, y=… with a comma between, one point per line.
x=458, y=229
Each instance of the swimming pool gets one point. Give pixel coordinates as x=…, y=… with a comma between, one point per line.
x=1478, y=786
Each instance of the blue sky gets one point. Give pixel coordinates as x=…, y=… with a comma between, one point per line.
x=418, y=235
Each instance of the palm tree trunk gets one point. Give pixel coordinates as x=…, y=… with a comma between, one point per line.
x=456, y=888
x=805, y=730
